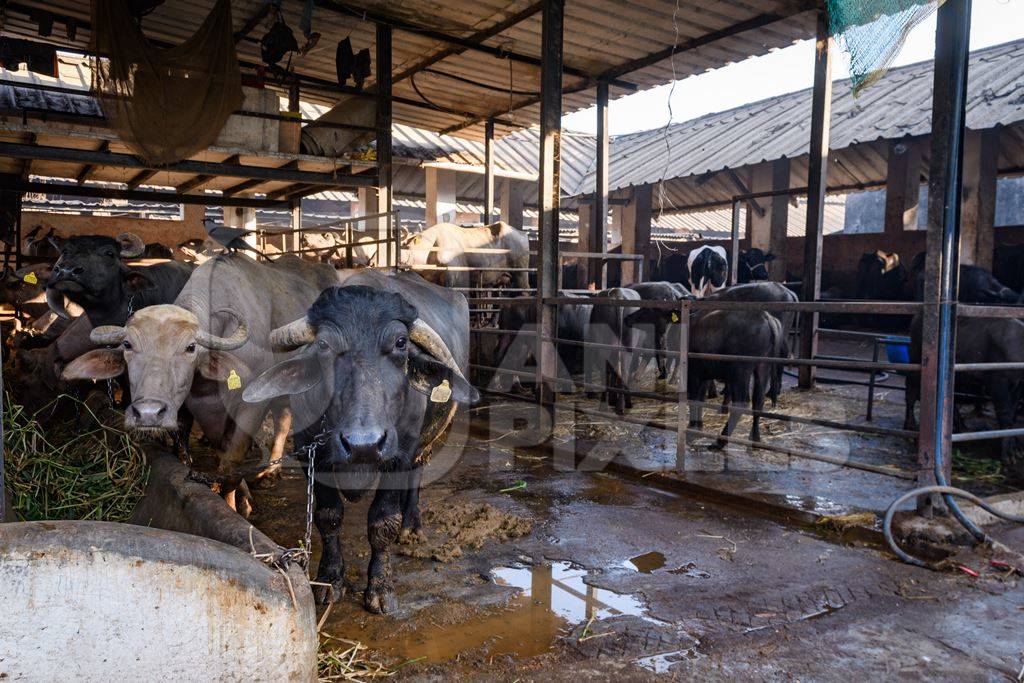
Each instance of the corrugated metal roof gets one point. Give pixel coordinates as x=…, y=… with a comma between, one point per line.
x=898, y=105
x=717, y=223
x=600, y=35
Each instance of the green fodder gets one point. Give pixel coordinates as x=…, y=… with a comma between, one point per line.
x=84, y=470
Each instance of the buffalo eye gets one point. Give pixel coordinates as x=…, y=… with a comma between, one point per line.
x=401, y=343
x=191, y=348
x=126, y=345
x=322, y=345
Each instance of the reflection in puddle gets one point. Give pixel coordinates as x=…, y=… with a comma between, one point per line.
x=661, y=663
x=646, y=563
x=559, y=589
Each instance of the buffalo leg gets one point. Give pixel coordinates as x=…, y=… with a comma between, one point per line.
x=282, y=427
x=328, y=514
x=912, y=393
x=761, y=379
x=382, y=527
x=411, y=524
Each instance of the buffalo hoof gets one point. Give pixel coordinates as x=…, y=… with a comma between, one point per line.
x=412, y=536
x=1013, y=459
x=381, y=600
x=718, y=445
x=334, y=590
x=268, y=479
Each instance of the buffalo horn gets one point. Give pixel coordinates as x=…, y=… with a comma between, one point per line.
x=237, y=338
x=430, y=341
x=132, y=245
x=55, y=300
x=106, y=335
x=293, y=335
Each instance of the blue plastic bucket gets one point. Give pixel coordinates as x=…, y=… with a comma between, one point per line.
x=897, y=349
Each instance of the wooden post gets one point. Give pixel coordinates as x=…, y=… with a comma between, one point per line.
x=296, y=224
x=584, y=233
x=512, y=203
x=734, y=245
x=636, y=232
x=683, y=398
x=384, y=146
x=949, y=98
x=978, y=214
x=598, y=242
x=817, y=184
x=488, y=214
x=552, y=22
x=902, y=185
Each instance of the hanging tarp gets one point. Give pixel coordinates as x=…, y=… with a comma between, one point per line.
x=872, y=32
x=165, y=103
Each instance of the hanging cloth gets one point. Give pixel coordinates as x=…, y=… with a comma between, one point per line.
x=165, y=104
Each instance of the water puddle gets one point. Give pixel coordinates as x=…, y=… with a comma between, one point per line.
x=690, y=569
x=661, y=663
x=646, y=563
x=559, y=589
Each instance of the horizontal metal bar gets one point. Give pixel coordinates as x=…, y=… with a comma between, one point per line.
x=532, y=376
x=987, y=367
x=332, y=225
x=977, y=311
x=99, y=158
x=495, y=330
x=989, y=434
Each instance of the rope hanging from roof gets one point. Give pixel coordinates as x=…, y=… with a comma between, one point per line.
x=872, y=32
x=165, y=104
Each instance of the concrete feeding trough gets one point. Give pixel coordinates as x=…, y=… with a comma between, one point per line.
x=185, y=596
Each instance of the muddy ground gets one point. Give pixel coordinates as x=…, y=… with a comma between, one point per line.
x=588, y=576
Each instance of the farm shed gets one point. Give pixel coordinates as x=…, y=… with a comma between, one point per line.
x=543, y=527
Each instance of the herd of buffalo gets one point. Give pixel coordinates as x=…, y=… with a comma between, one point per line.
x=365, y=367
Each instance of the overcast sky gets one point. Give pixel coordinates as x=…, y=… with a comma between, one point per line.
x=783, y=71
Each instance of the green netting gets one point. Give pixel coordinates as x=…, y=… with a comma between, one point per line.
x=872, y=32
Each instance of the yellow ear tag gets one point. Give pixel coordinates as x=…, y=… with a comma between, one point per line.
x=31, y=278
x=675, y=316
x=441, y=393
x=234, y=381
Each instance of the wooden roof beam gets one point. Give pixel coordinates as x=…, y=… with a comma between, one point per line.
x=83, y=175
x=140, y=177
x=198, y=181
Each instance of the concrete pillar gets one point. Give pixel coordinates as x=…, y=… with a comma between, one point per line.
x=636, y=232
x=441, y=206
x=374, y=200
x=512, y=203
x=902, y=186
x=241, y=217
x=768, y=232
x=978, y=208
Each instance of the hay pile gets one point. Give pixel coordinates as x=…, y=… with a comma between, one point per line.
x=87, y=470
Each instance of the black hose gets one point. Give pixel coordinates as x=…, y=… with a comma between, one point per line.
x=947, y=493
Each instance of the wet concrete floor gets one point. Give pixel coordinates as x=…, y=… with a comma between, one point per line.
x=618, y=580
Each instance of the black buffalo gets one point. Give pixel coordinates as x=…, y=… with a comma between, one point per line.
x=652, y=324
x=612, y=361
x=753, y=265
x=742, y=333
x=378, y=379
x=975, y=285
x=1008, y=266
x=514, y=351
x=980, y=340
x=91, y=273
x=881, y=277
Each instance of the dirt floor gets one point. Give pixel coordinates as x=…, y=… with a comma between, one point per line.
x=569, y=575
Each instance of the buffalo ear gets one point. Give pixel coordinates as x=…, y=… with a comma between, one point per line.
x=134, y=281
x=96, y=364
x=426, y=373
x=218, y=366
x=293, y=376
x=769, y=257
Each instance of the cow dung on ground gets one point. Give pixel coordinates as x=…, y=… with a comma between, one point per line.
x=450, y=528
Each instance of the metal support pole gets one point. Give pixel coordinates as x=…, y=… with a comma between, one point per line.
x=734, y=251
x=488, y=214
x=952, y=42
x=548, y=191
x=817, y=184
x=597, y=271
x=683, y=409
x=384, y=147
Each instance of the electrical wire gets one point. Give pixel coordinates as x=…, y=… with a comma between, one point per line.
x=428, y=101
